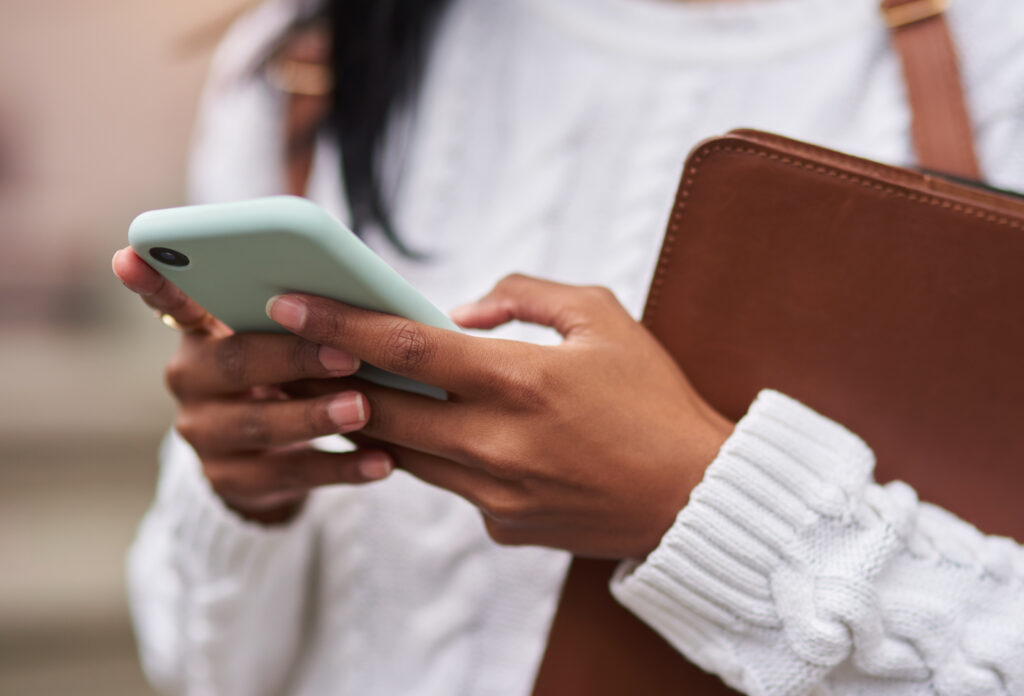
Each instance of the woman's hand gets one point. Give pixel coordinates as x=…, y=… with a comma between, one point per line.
x=591, y=446
x=250, y=437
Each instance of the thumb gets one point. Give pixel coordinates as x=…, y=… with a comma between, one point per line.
x=566, y=308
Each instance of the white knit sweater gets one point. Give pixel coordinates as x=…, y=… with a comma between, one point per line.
x=548, y=140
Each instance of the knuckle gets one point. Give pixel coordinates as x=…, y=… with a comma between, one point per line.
x=220, y=478
x=176, y=375
x=525, y=384
x=405, y=348
x=500, y=379
x=305, y=359
x=188, y=426
x=233, y=482
x=600, y=296
x=231, y=358
x=511, y=281
x=531, y=386
x=173, y=297
x=253, y=429
x=502, y=534
x=495, y=458
x=503, y=505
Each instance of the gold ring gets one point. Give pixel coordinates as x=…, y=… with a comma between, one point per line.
x=172, y=323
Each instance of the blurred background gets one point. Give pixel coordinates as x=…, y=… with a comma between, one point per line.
x=96, y=105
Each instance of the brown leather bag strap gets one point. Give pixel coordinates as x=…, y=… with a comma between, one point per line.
x=941, y=125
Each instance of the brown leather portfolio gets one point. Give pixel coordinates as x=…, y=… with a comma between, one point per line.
x=889, y=300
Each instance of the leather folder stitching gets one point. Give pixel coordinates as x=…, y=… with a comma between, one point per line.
x=693, y=169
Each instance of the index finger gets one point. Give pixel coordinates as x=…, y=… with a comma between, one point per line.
x=161, y=294
x=447, y=359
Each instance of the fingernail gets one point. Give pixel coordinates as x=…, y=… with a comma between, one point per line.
x=461, y=313
x=375, y=465
x=335, y=360
x=347, y=411
x=287, y=311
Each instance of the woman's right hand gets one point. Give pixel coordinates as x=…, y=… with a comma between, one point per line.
x=251, y=437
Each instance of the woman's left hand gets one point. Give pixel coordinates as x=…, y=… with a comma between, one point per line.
x=592, y=445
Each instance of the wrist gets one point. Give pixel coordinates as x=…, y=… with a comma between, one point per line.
x=692, y=456
x=703, y=444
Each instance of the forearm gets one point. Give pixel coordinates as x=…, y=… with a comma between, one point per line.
x=217, y=602
x=790, y=570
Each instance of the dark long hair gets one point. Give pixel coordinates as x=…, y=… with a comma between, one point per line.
x=378, y=51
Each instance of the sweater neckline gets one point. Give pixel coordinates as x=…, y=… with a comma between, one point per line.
x=701, y=31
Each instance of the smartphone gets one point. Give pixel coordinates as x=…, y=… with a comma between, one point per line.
x=233, y=257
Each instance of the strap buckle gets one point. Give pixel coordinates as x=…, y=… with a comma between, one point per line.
x=914, y=11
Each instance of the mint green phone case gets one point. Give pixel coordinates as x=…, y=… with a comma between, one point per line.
x=241, y=254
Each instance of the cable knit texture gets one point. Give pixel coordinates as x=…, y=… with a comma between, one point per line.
x=790, y=568
x=548, y=139
x=196, y=557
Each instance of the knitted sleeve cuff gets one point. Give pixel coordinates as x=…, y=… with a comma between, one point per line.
x=716, y=573
x=212, y=541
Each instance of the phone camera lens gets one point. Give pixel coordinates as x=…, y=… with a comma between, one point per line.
x=169, y=256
